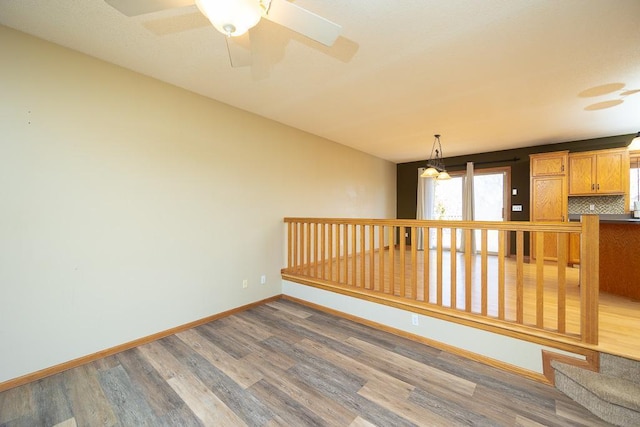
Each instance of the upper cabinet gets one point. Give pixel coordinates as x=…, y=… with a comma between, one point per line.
x=599, y=172
x=546, y=164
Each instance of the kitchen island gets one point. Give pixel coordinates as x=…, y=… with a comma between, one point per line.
x=620, y=255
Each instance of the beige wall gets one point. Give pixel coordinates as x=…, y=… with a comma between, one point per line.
x=129, y=206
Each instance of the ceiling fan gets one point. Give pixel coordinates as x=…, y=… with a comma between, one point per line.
x=234, y=18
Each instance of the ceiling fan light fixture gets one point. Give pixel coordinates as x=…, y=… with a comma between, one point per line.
x=231, y=17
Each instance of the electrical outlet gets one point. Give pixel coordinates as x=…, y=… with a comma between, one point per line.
x=263, y=279
x=414, y=320
x=592, y=207
x=245, y=283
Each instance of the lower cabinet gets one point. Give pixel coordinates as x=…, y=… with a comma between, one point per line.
x=574, y=249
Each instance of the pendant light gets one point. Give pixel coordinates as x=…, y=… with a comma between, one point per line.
x=435, y=164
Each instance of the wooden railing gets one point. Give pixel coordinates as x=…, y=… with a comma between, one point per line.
x=431, y=266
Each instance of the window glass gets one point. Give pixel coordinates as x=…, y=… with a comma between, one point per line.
x=634, y=180
x=488, y=205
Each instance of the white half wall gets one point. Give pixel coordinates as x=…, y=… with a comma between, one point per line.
x=523, y=354
x=129, y=206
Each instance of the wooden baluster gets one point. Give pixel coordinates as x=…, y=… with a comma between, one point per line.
x=403, y=243
x=339, y=250
x=330, y=251
x=354, y=265
x=439, y=266
x=501, y=272
x=363, y=233
x=303, y=245
x=320, y=253
x=453, y=252
x=563, y=240
x=520, y=276
x=346, y=254
x=540, y=280
x=313, y=253
x=295, y=246
x=307, y=258
x=290, y=246
x=372, y=255
x=414, y=267
x=468, y=277
x=392, y=262
x=484, y=272
x=380, y=282
x=426, y=270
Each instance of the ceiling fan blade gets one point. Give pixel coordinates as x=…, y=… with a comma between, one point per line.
x=303, y=21
x=176, y=23
x=239, y=49
x=140, y=7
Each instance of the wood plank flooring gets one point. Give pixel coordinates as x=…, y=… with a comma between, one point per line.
x=284, y=364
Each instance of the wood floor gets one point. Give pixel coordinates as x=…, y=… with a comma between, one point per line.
x=283, y=364
x=619, y=319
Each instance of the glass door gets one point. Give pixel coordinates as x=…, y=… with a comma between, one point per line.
x=490, y=198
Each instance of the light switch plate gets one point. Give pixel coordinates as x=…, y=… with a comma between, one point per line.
x=516, y=208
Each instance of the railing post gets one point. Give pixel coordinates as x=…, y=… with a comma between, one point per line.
x=589, y=277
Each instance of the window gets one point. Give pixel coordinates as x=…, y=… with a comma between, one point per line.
x=634, y=179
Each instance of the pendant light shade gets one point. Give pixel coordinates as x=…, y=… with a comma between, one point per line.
x=430, y=173
x=443, y=175
x=435, y=164
x=231, y=18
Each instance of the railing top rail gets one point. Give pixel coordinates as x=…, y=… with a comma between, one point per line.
x=567, y=227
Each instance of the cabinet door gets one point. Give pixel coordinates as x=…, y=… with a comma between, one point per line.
x=548, y=203
x=547, y=164
x=581, y=174
x=611, y=172
x=548, y=198
x=574, y=248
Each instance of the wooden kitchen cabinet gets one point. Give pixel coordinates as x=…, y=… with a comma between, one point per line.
x=599, y=172
x=549, y=197
x=546, y=164
x=574, y=248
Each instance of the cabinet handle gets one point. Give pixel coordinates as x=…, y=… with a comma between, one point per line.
x=562, y=168
x=593, y=187
x=598, y=188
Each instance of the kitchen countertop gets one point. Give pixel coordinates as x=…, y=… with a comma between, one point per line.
x=611, y=218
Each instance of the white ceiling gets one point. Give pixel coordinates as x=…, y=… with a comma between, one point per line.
x=486, y=74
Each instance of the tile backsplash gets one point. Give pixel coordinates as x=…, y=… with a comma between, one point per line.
x=602, y=205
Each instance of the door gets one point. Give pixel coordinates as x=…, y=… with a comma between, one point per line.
x=490, y=198
x=489, y=202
